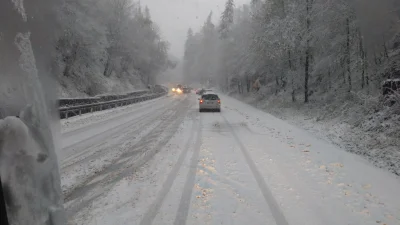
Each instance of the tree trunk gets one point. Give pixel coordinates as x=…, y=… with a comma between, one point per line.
x=71, y=60
x=277, y=84
x=385, y=51
x=341, y=65
x=292, y=76
x=365, y=69
x=348, y=54
x=248, y=83
x=376, y=60
x=307, y=56
x=107, y=67
x=329, y=79
x=283, y=77
x=362, y=56
x=306, y=76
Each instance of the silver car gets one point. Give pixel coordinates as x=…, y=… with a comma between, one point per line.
x=209, y=102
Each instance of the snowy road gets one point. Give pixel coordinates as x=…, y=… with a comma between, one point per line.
x=162, y=162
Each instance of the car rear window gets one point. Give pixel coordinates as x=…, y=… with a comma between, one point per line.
x=210, y=97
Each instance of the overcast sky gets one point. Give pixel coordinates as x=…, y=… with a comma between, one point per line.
x=175, y=17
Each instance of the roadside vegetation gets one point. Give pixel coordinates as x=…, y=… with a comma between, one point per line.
x=334, y=63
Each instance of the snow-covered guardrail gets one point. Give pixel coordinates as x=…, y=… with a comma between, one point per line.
x=92, y=106
x=64, y=102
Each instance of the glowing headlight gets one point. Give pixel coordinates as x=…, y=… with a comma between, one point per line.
x=173, y=89
x=179, y=90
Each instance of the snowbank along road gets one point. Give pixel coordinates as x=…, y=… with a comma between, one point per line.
x=163, y=162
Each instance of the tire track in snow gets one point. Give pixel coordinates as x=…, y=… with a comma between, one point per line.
x=269, y=198
x=82, y=146
x=155, y=207
x=98, y=139
x=88, y=192
x=89, y=147
x=129, y=110
x=184, y=204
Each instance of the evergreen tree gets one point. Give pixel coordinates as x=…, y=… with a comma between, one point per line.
x=226, y=19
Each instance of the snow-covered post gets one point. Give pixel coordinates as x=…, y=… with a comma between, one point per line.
x=28, y=162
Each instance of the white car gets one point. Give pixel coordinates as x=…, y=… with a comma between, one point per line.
x=209, y=102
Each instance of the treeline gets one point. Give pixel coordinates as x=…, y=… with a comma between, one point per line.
x=108, y=38
x=301, y=47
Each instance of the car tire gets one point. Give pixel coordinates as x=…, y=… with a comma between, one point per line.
x=200, y=110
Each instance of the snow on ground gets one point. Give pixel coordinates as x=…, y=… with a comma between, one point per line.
x=349, y=125
x=128, y=199
x=93, y=84
x=235, y=167
x=95, y=142
x=84, y=120
x=324, y=178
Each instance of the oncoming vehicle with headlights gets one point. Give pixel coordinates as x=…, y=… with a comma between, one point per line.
x=178, y=89
x=209, y=102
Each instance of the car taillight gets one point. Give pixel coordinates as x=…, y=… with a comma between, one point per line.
x=219, y=101
x=201, y=100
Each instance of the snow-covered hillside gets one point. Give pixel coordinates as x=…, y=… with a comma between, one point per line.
x=98, y=84
x=107, y=47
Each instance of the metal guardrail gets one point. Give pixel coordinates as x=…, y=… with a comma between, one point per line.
x=67, y=112
x=65, y=102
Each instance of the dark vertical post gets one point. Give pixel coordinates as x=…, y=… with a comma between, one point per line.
x=3, y=210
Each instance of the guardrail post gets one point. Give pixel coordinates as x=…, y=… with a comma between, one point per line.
x=80, y=112
x=66, y=115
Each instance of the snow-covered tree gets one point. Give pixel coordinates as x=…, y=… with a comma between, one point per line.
x=200, y=57
x=306, y=46
x=111, y=39
x=226, y=19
